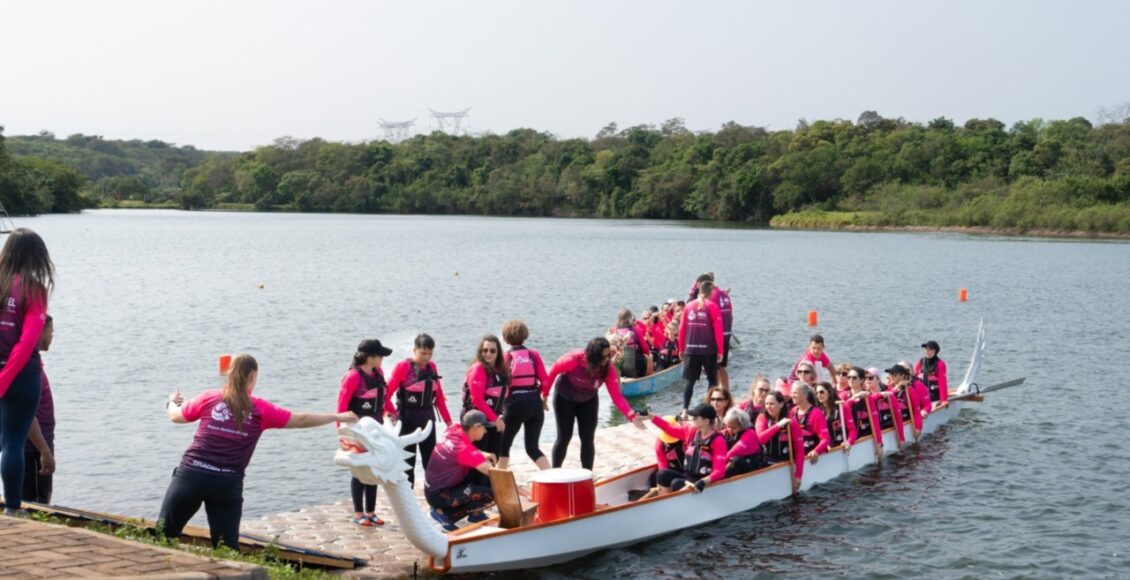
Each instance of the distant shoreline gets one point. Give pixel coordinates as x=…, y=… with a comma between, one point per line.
x=972, y=230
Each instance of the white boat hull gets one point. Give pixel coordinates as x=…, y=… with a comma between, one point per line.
x=493, y=549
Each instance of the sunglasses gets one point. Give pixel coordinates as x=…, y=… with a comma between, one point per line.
x=717, y=400
x=804, y=372
x=853, y=377
x=821, y=392
x=488, y=350
x=842, y=373
x=870, y=377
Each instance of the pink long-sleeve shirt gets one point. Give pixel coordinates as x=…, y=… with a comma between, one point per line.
x=881, y=403
x=939, y=376
x=746, y=445
x=688, y=433
x=766, y=431
x=813, y=425
x=572, y=365
x=481, y=384
x=405, y=370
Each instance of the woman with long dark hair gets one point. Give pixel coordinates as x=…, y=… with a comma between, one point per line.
x=211, y=471
x=484, y=389
x=27, y=277
x=581, y=373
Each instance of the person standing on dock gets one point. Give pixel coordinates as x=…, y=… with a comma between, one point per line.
x=211, y=470
x=524, y=407
x=39, y=454
x=485, y=389
x=700, y=341
x=363, y=392
x=27, y=277
x=581, y=373
x=416, y=387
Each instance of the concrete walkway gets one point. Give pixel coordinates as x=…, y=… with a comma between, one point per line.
x=31, y=549
x=390, y=555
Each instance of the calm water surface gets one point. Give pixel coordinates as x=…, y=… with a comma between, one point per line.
x=1031, y=483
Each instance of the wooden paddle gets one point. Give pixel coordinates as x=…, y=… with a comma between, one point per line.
x=792, y=459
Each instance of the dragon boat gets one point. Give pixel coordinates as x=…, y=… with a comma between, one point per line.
x=514, y=540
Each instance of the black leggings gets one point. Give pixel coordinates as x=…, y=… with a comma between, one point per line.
x=369, y=492
x=37, y=487
x=222, y=498
x=585, y=414
x=412, y=418
x=464, y=498
x=523, y=411
x=694, y=365
x=674, y=479
x=17, y=409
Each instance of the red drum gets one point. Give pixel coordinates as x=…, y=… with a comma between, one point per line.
x=563, y=493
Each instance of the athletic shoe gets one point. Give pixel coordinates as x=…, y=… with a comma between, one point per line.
x=477, y=517
x=16, y=513
x=376, y=520
x=443, y=520
x=362, y=521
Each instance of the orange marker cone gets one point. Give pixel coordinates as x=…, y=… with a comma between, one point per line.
x=963, y=295
x=812, y=318
x=225, y=363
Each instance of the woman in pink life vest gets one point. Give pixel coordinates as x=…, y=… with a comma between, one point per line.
x=744, y=454
x=636, y=351
x=776, y=432
x=931, y=370
x=416, y=387
x=704, y=449
x=485, y=389
x=524, y=408
x=841, y=430
x=363, y=392
x=813, y=424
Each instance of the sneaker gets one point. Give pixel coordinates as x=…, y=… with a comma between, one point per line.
x=443, y=520
x=376, y=520
x=362, y=521
x=477, y=517
x=16, y=513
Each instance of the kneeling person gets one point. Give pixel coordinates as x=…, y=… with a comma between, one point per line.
x=456, y=482
x=704, y=450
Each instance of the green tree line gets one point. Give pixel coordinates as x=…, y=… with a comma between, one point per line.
x=1063, y=174
x=34, y=185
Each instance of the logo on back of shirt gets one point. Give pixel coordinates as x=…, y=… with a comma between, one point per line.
x=221, y=412
x=691, y=315
x=11, y=304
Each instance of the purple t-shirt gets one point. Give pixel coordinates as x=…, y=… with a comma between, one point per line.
x=220, y=447
x=45, y=414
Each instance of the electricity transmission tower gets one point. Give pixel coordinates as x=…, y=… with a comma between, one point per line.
x=451, y=123
x=396, y=131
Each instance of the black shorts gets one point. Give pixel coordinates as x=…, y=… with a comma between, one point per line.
x=725, y=352
x=694, y=364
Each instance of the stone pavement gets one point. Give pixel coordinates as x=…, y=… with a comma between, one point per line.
x=390, y=555
x=31, y=549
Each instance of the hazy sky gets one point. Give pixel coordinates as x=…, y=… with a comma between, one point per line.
x=233, y=74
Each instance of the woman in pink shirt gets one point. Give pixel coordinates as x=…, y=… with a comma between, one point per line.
x=415, y=386
x=704, y=448
x=484, y=389
x=841, y=429
x=813, y=425
x=27, y=277
x=931, y=370
x=777, y=432
x=758, y=389
x=524, y=408
x=211, y=471
x=636, y=353
x=363, y=392
x=577, y=376
x=456, y=482
x=744, y=454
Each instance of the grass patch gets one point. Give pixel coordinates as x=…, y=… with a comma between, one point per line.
x=136, y=204
x=826, y=219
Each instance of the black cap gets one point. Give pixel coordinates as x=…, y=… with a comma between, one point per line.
x=472, y=418
x=898, y=369
x=932, y=344
x=703, y=410
x=373, y=348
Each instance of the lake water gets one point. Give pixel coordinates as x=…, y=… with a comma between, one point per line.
x=1031, y=483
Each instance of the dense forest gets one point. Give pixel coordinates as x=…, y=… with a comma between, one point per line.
x=34, y=185
x=1055, y=175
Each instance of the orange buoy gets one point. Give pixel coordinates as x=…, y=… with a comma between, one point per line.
x=963, y=295
x=225, y=363
x=812, y=318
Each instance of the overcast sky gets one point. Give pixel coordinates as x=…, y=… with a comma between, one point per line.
x=233, y=74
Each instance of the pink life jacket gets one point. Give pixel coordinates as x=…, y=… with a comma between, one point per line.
x=523, y=374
